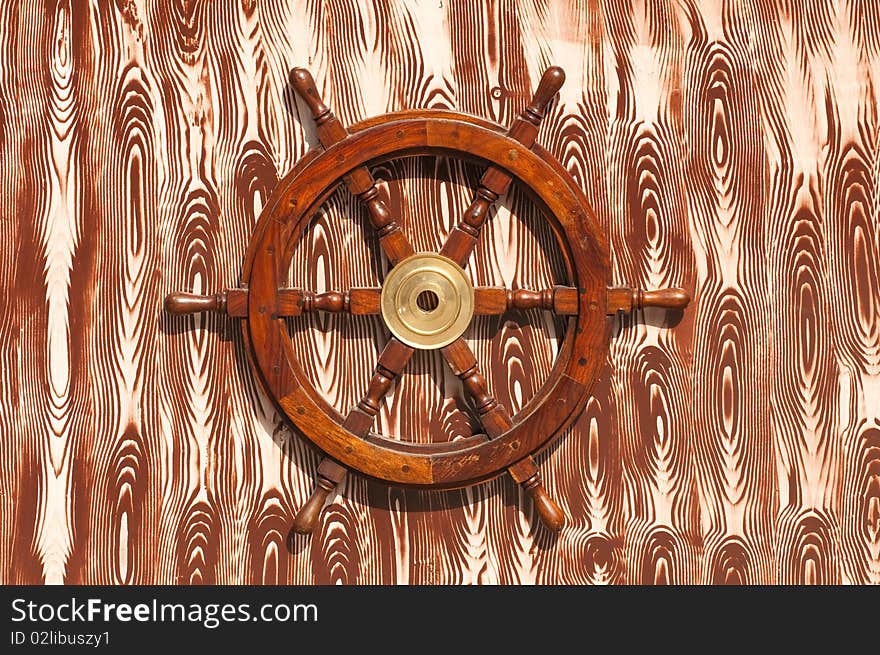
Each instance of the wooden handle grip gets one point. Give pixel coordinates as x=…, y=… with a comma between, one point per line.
x=551, y=81
x=549, y=512
x=625, y=299
x=190, y=303
x=673, y=298
x=304, y=84
x=307, y=517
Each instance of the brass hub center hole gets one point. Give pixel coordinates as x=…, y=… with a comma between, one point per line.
x=427, y=300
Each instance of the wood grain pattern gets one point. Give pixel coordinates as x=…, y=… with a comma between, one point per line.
x=729, y=147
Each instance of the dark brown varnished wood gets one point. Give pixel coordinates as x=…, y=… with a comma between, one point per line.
x=432, y=133
x=550, y=512
x=357, y=300
x=191, y=303
x=428, y=132
x=496, y=421
x=392, y=361
x=463, y=238
x=305, y=519
x=360, y=181
x=290, y=302
x=329, y=301
x=232, y=301
x=329, y=475
x=362, y=301
x=626, y=299
x=497, y=300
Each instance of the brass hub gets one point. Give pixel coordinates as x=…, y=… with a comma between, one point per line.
x=427, y=301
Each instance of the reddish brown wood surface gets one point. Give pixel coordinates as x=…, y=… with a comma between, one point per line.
x=728, y=148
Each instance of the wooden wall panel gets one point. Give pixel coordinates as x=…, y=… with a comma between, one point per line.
x=728, y=146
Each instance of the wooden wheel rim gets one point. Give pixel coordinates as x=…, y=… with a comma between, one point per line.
x=286, y=215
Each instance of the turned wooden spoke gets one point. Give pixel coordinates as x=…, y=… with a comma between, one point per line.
x=290, y=302
x=496, y=421
x=497, y=300
x=360, y=181
x=392, y=361
x=492, y=415
x=357, y=301
x=495, y=182
x=390, y=365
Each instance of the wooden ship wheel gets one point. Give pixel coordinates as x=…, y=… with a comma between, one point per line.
x=427, y=300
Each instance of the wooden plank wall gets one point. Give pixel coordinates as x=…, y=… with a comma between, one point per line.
x=728, y=146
